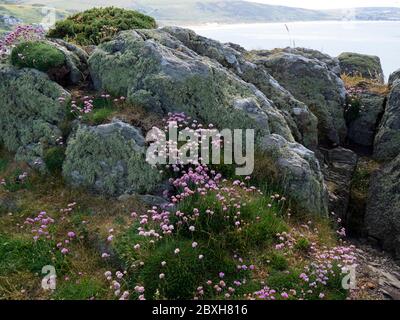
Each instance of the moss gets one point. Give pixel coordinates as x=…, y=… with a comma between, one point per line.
x=99, y=24
x=37, y=55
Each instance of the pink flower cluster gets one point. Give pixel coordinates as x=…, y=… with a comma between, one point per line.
x=40, y=225
x=20, y=34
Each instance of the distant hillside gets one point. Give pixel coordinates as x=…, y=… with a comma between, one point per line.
x=14, y=14
x=184, y=12
x=367, y=14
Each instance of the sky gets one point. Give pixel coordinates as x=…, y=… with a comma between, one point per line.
x=332, y=4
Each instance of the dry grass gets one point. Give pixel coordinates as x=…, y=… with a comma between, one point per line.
x=369, y=85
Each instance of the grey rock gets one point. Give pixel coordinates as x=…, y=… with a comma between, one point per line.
x=313, y=82
x=109, y=159
x=382, y=217
x=387, y=140
x=394, y=77
x=338, y=174
x=363, y=128
x=76, y=60
x=302, y=122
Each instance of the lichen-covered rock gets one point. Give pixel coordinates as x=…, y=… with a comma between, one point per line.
x=311, y=81
x=30, y=112
x=366, y=66
x=75, y=59
x=338, y=173
x=362, y=129
x=393, y=77
x=299, y=170
x=154, y=69
x=331, y=62
x=387, y=140
x=302, y=122
x=382, y=218
x=109, y=159
x=165, y=76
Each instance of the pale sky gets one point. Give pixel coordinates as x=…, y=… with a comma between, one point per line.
x=332, y=4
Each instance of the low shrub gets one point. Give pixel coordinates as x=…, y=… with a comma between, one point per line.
x=99, y=24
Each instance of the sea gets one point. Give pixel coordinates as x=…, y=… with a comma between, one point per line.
x=381, y=38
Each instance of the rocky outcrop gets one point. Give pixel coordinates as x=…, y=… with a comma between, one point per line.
x=302, y=122
x=30, y=112
x=312, y=81
x=363, y=125
x=387, y=140
x=366, y=66
x=340, y=166
x=382, y=218
x=165, y=76
x=154, y=69
x=109, y=159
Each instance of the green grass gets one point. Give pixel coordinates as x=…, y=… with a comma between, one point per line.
x=38, y=55
x=18, y=254
x=80, y=289
x=13, y=182
x=99, y=116
x=184, y=272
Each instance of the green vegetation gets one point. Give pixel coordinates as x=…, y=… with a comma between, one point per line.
x=54, y=158
x=79, y=289
x=99, y=24
x=17, y=254
x=38, y=55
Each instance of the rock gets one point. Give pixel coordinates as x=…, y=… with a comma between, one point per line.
x=341, y=164
x=109, y=159
x=75, y=59
x=382, y=219
x=366, y=66
x=300, y=170
x=153, y=69
x=331, y=62
x=313, y=82
x=362, y=129
x=387, y=140
x=393, y=77
x=302, y=122
x=30, y=112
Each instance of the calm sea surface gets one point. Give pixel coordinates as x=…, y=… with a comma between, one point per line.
x=379, y=38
